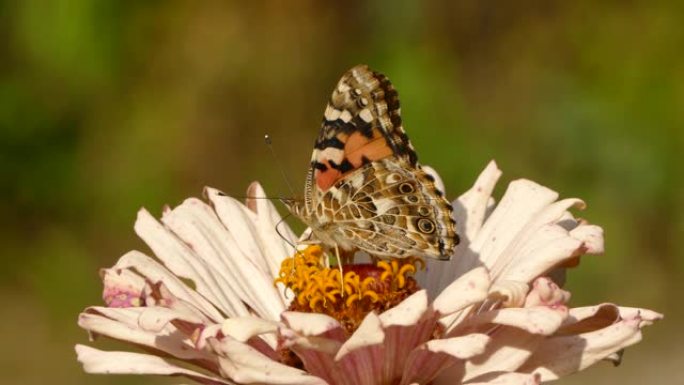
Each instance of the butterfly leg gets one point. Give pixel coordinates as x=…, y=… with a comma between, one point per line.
x=339, y=266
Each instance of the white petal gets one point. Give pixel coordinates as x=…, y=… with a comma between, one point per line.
x=98, y=361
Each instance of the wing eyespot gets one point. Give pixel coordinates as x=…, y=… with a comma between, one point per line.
x=426, y=226
x=423, y=211
x=406, y=188
x=411, y=199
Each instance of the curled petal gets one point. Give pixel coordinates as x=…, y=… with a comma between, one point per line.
x=244, y=364
x=509, y=293
x=546, y=293
x=559, y=356
x=244, y=328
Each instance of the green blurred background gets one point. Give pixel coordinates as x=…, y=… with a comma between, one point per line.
x=107, y=106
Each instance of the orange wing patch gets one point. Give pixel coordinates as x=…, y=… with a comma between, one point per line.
x=333, y=164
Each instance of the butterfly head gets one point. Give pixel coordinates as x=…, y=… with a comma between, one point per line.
x=296, y=207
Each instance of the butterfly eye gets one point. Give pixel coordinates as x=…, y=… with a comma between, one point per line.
x=406, y=188
x=426, y=226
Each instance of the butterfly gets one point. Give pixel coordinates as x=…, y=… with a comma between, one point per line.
x=365, y=189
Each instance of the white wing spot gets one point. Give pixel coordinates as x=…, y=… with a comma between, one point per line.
x=334, y=154
x=346, y=116
x=366, y=115
x=331, y=113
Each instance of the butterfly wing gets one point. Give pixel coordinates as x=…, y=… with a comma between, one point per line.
x=361, y=124
x=388, y=208
x=365, y=188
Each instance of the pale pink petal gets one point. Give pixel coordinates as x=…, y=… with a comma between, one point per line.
x=522, y=201
x=509, y=348
x=184, y=262
x=467, y=290
x=647, y=317
x=508, y=293
x=198, y=226
x=244, y=328
x=591, y=237
x=506, y=378
x=540, y=320
x=98, y=361
x=430, y=359
x=268, y=219
x=154, y=272
x=124, y=324
x=515, y=333
x=559, y=356
x=406, y=326
x=470, y=288
x=545, y=292
x=314, y=325
x=240, y=222
x=122, y=288
x=540, y=245
x=244, y=364
x=315, y=338
x=360, y=358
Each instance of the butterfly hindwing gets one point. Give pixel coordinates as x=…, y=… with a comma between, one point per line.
x=390, y=209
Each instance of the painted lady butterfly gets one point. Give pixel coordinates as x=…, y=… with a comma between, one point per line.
x=365, y=189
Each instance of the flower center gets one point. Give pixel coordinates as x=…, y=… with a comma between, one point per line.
x=363, y=288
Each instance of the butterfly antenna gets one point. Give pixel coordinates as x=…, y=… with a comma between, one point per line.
x=269, y=144
x=281, y=234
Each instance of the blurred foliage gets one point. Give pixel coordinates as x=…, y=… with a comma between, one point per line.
x=108, y=106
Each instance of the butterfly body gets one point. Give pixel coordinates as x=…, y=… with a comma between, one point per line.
x=365, y=189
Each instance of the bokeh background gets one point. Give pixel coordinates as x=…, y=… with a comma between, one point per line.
x=107, y=106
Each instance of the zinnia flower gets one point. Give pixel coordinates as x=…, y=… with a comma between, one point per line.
x=229, y=300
